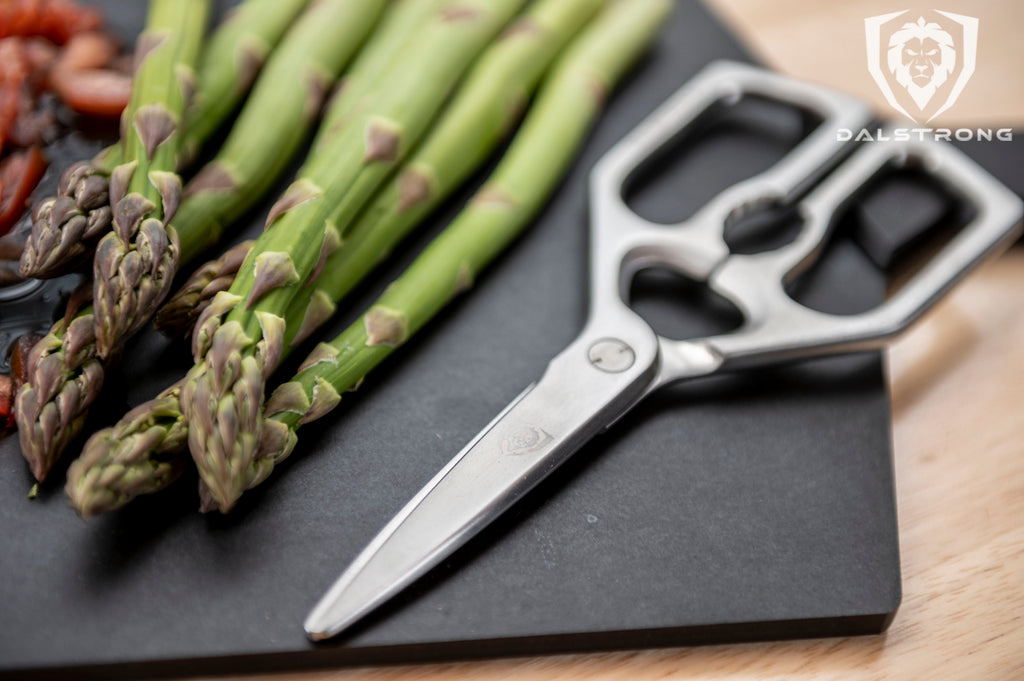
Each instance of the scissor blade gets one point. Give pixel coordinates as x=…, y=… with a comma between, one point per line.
x=521, y=446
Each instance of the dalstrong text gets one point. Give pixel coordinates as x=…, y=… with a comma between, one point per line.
x=922, y=134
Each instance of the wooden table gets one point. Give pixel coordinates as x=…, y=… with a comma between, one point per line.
x=958, y=392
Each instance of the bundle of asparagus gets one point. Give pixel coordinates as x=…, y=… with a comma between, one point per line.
x=254, y=156
x=484, y=109
x=139, y=454
x=143, y=452
x=239, y=339
x=132, y=261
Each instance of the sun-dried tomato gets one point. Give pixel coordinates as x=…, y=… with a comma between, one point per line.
x=80, y=80
x=29, y=63
x=55, y=20
x=19, y=174
x=19, y=357
x=6, y=402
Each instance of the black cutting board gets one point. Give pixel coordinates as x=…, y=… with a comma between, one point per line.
x=745, y=507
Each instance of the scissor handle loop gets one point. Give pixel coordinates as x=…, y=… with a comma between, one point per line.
x=624, y=242
x=778, y=328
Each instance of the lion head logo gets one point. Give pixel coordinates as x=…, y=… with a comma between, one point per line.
x=927, y=62
x=921, y=56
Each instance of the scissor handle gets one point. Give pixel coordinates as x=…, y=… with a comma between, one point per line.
x=777, y=328
x=623, y=242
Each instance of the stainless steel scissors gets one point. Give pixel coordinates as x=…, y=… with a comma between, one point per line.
x=618, y=359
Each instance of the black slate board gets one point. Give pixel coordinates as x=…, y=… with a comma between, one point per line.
x=745, y=507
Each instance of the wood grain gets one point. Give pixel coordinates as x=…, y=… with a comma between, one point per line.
x=958, y=389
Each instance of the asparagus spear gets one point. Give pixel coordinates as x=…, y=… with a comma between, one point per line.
x=64, y=379
x=256, y=152
x=484, y=109
x=142, y=454
x=135, y=263
x=530, y=171
x=399, y=23
x=230, y=61
x=66, y=227
x=51, y=408
x=239, y=340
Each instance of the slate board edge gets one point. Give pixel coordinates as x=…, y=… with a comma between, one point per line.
x=328, y=655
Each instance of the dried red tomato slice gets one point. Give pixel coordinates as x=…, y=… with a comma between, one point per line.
x=19, y=174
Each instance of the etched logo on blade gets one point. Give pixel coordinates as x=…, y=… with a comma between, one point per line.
x=524, y=440
x=921, y=64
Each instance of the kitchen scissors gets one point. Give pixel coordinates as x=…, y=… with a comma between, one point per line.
x=618, y=359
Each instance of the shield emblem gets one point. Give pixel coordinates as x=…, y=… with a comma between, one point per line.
x=921, y=64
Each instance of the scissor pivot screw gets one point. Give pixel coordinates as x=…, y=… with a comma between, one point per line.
x=611, y=355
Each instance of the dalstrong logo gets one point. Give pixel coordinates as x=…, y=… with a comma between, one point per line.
x=921, y=64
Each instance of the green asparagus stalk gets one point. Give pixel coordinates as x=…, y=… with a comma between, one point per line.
x=261, y=144
x=143, y=195
x=532, y=168
x=400, y=22
x=65, y=376
x=66, y=227
x=135, y=263
x=484, y=110
x=142, y=454
x=229, y=63
x=239, y=340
